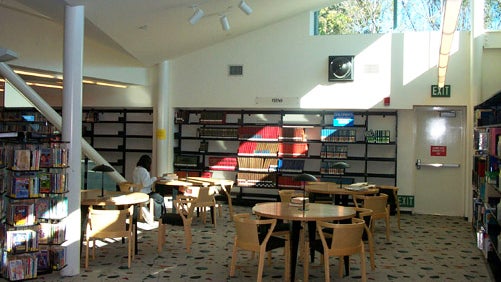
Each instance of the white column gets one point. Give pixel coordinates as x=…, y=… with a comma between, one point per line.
x=164, y=134
x=72, y=129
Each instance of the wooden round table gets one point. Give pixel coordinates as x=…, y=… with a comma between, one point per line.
x=296, y=215
x=334, y=189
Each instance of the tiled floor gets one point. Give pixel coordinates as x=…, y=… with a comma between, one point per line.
x=426, y=248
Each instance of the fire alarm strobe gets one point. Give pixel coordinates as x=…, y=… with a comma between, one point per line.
x=340, y=68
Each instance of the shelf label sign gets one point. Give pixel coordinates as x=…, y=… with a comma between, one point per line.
x=438, y=151
x=277, y=101
x=440, y=92
x=406, y=201
x=343, y=119
x=161, y=134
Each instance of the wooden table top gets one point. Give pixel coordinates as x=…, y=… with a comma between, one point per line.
x=112, y=198
x=173, y=182
x=211, y=181
x=315, y=211
x=335, y=189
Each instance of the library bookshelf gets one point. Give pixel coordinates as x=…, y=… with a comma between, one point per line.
x=262, y=150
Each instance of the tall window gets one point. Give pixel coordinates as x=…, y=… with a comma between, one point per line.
x=382, y=16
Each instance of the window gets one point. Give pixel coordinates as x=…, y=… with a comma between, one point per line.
x=382, y=16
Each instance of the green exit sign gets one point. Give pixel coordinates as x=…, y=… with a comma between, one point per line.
x=406, y=201
x=440, y=92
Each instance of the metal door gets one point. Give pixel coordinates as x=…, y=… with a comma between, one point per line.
x=440, y=160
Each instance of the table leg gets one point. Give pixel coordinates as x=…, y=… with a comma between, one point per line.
x=295, y=228
x=312, y=229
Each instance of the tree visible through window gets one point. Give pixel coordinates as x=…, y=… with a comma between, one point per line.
x=382, y=16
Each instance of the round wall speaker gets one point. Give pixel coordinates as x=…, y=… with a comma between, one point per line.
x=341, y=68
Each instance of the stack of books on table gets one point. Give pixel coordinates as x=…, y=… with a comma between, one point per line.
x=359, y=186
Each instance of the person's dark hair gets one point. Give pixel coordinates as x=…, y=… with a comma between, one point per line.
x=144, y=161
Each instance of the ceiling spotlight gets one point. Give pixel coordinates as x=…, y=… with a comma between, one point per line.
x=245, y=8
x=197, y=15
x=225, y=23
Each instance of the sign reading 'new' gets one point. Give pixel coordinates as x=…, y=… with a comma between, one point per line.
x=440, y=92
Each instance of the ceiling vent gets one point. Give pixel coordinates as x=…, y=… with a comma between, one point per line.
x=236, y=70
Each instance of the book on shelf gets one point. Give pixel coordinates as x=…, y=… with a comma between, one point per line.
x=52, y=233
x=43, y=260
x=45, y=157
x=22, y=214
x=261, y=133
x=212, y=117
x=293, y=150
x=45, y=182
x=58, y=257
x=16, y=270
x=42, y=207
x=22, y=159
x=21, y=240
x=222, y=163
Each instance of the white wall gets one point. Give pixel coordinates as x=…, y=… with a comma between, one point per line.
x=283, y=60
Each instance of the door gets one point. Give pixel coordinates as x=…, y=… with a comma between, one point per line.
x=439, y=181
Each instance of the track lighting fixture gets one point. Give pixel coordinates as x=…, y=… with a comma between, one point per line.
x=197, y=15
x=224, y=23
x=245, y=8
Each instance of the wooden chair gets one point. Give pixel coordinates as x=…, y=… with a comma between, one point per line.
x=366, y=216
x=340, y=240
x=287, y=194
x=380, y=209
x=249, y=238
x=394, y=191
x=109, y=224
x=204, y=199
x=129, y=187
x=184, y=206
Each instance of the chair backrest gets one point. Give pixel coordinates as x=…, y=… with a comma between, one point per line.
x=287, y=194
x=129, y=187
x=185, y=206
x=109, y=223
x=247, y=231
x=378, y=204
x=205, y=195
x=345, y=239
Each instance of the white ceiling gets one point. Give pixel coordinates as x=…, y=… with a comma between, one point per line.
x=153, y=31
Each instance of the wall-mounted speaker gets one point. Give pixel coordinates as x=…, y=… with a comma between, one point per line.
x=341, y=68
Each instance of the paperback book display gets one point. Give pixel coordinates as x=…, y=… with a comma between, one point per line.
x=34, y=206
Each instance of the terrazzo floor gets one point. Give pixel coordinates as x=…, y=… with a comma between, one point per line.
x=426, y=248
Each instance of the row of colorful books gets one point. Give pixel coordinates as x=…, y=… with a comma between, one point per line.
x=334, y=151
x=248, y=148
x=288, y=182
x=218, y=132
x=223, y=163
x=291, y=165
x=33, y=185
x=257, y=164
x=29, y=265
x=21, y=213
x=52, y=233
x=51, y=207
x=263, y=180
x=22, y=240
x=19, y=267
x=270, y=133
x=35, y=158
x=338, y=135
x=378, y=136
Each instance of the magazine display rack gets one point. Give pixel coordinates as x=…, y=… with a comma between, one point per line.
x=34, y=185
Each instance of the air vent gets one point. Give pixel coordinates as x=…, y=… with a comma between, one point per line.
x=236, y=70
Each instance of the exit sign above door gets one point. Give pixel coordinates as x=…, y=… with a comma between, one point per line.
x=440, y=92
